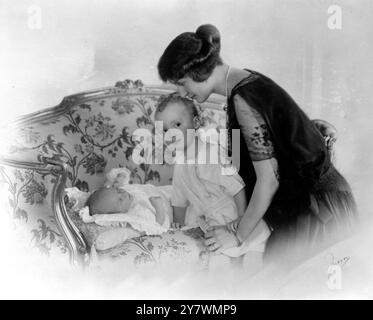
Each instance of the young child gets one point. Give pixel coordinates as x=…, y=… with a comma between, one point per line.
x=210, y=197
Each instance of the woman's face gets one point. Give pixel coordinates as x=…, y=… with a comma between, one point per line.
x=198, y=91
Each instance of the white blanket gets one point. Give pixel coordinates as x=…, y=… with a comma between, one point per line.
x=141, y=216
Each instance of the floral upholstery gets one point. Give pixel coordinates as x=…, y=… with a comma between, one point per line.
x=90, y=133
x=175, y=246
x=28, y=195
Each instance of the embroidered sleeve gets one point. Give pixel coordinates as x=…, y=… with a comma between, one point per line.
x=254, y=131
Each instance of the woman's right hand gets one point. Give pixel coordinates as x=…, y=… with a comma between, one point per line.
x=233, y=226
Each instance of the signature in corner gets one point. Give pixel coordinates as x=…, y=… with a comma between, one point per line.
x=339, y=262
x=334, y=281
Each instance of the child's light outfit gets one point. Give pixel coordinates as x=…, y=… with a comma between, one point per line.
x=209, y=193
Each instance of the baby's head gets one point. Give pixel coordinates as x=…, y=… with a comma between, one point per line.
x=177, y=112
x=109, y=200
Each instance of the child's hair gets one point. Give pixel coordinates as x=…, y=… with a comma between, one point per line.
x=175, y=97
x=193, y=54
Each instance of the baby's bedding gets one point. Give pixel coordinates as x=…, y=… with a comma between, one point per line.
x=126, y=246
x=173, y=246
x=122, y=235
x=112, y=237
x=141, y=215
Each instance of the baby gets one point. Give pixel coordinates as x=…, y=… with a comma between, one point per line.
x=109, y=200
x=212, y=199
x=114, y=200
x=143, y=208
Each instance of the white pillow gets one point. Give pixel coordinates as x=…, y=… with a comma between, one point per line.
x=111, y=238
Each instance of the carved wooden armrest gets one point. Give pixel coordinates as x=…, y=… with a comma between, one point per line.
x=78, y=248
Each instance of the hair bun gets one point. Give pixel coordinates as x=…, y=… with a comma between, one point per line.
x=209, y=33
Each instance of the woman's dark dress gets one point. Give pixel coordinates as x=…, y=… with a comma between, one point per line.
x=313, y=206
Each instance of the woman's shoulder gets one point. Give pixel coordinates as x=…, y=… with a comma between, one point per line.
x=257, y=85
x=265, y=96
x=243, y=79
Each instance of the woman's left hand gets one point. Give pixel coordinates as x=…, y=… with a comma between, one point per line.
x=220, y=238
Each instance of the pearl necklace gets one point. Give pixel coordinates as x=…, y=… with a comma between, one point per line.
x=226, y=105
x=225, y=108
x=226, y=82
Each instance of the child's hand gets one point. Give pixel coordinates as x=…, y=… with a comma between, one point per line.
x=232, y=226
x=176, y=225
x=202, y=223
x=116, y=184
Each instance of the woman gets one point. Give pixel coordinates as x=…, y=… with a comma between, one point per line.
x=290, y=180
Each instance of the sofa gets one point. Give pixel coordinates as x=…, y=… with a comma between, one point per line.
x=73, y=145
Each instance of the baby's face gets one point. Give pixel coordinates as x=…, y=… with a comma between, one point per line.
x=176, y=116
x=112, y=200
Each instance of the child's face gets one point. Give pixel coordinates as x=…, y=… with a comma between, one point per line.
x=112, y=200
x=176, y=116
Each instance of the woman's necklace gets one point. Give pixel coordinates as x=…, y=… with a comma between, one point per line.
x=226, y=82
x=225, y=108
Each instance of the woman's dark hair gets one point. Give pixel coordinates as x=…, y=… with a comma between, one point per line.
x=193, y=54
